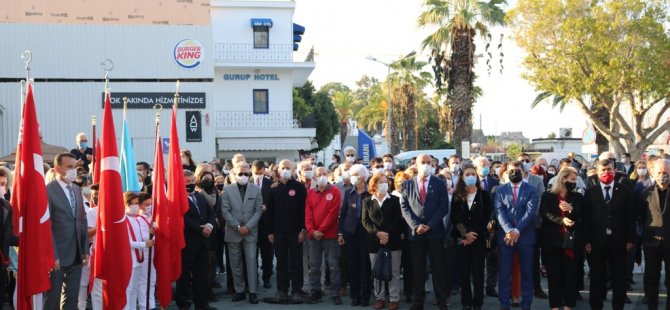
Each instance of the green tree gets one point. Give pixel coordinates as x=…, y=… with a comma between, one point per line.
x=301, y=109
x=611, y=55
x=345, y=105
x=513, y=150
x=331, y=87
x=458, y=22
x=327, y=125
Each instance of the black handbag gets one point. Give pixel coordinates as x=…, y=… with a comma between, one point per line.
x=382, y=270
x=569, y=240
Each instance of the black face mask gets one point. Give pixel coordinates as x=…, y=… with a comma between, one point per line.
x=570, y=187
x=190, y=188
x=207, y=185
x=515, y=177
x=8, y=195
x=219, y=187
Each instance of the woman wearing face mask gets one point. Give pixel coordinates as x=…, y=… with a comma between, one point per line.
x=352, y=236
x=139, y=240
x=383, y=222
x=187, y=160
x=206, y=190
x=551, y=171
x=641, y=174
x=406, y=257
x=471, y=212
x=561, y=211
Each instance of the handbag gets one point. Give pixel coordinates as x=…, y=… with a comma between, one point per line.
x=569, y=240
x=381, y=270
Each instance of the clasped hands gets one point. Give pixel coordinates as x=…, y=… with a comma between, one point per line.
x=422, y=229
x=512, y=237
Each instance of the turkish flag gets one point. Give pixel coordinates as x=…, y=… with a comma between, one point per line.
x=176, y=195
x=36, y=257
x=161, y=219
x=112, y=258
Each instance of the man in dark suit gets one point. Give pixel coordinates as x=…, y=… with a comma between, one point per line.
x=515, y=207
x=619, y=177
x=7, y=237
x=609, y=214
x=484, y=170
x=627, y=165
x=488, y=182
x=424, y=204
x=656, y=232
x=82, y=153
x=69, y=230
x=264, y=245
x=199, y=221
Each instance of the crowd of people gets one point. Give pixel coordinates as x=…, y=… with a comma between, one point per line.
x=469, y=225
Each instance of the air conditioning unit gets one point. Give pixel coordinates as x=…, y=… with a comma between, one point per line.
x=565, y=133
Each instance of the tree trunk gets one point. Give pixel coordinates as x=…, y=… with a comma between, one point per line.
x=410, y=116
x=460, y=87
x=603, y=115
x=343, y=133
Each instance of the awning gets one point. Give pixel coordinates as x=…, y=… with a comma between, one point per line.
x=297, y=29
x=297, y=38
x=261, y=22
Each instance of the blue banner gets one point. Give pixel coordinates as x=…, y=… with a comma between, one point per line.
x=129, y=179
x=366, y=147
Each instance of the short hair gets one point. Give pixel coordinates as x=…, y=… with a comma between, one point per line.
x=565, y=161
x=399, y=179
x=285, y=161
x=304, y=163
x=258, y=164
x=389, y=155
x=143, y=164
x=188, y=173
x=4, y=172
x=496, y=162
x=350, y=148
x=79, y=135
x=605, y=162
x=606, y=155
x=95, y=187
x=374, y=180
x=360, y=170
x=376, y=160
x=515, y=163
x=240, y=166
x=128, y=197
x=479, y=161
x=58, y=160
x=142, y=197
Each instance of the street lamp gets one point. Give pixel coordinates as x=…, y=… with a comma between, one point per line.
x=389, y=132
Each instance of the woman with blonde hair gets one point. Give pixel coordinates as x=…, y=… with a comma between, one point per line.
x=641, y=174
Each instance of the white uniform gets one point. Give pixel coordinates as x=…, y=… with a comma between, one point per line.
x=144, y=271
x=91, y=215
x=137, y=245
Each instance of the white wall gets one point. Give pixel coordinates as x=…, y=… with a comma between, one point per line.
x=238, y=95
x=233, y=24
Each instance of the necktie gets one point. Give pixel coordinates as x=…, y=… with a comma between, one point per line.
x=258, y=182
x=607, y=194
x=514, y=194
x=486, y=184
x=422, y=191
x=73, y=201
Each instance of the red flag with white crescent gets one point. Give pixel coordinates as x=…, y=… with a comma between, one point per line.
x=176, y=195
x=161, y=217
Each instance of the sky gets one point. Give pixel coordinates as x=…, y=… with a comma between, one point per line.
x=344, y=32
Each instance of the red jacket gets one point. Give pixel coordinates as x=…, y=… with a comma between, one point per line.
x=322, y=210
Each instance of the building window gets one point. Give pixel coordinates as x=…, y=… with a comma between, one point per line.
x=261, y=101
x=261, y=37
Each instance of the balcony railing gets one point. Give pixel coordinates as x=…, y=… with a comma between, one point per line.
x=240, y=52
x=250, y=120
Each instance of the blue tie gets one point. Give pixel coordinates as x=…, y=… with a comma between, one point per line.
x=73, y=201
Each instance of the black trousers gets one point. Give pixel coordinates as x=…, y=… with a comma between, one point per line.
x=289, y=262
x=194, y=275
x=562, y=272
x=432, y=249
x=491, y=268
x=610, y=257
x=654, y=256
x=267, y=255
x=471, y=259
x=358, y=262
x=537, y=277
x=406, y=266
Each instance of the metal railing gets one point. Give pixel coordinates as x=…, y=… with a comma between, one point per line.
x=251, y=120
x=246, y=52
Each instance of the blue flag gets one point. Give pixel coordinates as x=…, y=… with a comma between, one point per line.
x=129, y=180
x=366, y=147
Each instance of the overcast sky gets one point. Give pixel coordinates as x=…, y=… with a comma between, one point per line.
x=344, y=32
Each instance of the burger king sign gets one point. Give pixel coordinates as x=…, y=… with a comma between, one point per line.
x=188, y=53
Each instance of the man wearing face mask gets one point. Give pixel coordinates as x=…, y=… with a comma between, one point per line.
x=609, y=217
x=656, y=232
x=389, y=165
x=82, y=153
x=515, y=207
x=242, y=209
x=306, y=176
x=69, y=231
x=199, y=222
x=343, y=182
x=264, y=246
x=286, y=218
x=482, y=165
x=321, y=218
x=454, y=166
x=350, y=155
x=424, y=204
x=619, y=177
x=139, y=240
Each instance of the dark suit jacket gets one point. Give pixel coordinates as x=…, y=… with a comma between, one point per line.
x=490, y=183
x=652, y=230
x=8, y=237
x=263, y=225
x=386, y=218
x=618, y=178
x=520, y=216
x=199, y=213
x=467, y=220
x=550, y=234
x=618, y=215
x=431, y=213
x=69, y=232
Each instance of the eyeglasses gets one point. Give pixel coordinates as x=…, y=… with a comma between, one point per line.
x=243, y=174
x=379, y=167
x=350, y=155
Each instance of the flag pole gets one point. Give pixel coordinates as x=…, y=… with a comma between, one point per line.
x=94, y=122
x=158, y=108
x=176, y=96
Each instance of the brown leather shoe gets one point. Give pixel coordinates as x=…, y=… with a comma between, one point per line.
x=394, y=306
x=379, y=304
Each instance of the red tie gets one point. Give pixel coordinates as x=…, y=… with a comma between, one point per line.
x=422, y=191
x=514, y=194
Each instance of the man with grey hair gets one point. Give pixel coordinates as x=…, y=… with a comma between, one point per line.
x=350, y=154
x=483, y=167
x=82, y=153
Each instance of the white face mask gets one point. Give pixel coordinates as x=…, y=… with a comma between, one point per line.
x=133, y=210
x=345, y=175
x=642, y=171
x=322, y=180
x=388, y=166
x=70, y=175
x=3, y=191
x=432, y=170
x=242, y=180
x=377, y=170
x=383, y=188
x=544, y=167
x=86, y=191
x=285, y=174
x=455, y=168
x=497, y=170
x=148, y=210
x=308, y=174
x=450, y=183
x=351, y=159
x=425, y=170
x=354, y=179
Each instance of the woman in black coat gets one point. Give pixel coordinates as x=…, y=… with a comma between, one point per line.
x=471, y=210
x=383, y=222
x=561, y=211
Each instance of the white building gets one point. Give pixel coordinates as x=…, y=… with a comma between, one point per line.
x=238, y=96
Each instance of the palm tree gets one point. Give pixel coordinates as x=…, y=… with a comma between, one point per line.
x=373, y=116
x=458, y=22
x=346, y=106
x=409, y=79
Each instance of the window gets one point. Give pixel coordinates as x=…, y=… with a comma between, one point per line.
x=261, y=37
x=261, y=101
